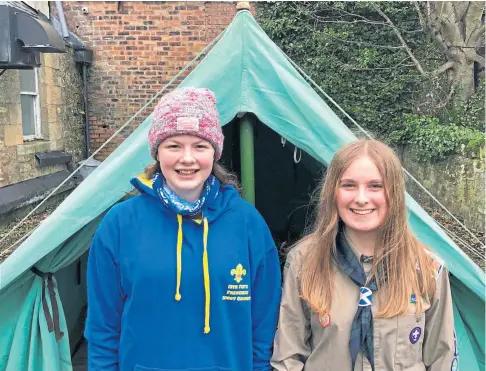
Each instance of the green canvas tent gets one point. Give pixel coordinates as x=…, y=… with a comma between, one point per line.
x=249, y=74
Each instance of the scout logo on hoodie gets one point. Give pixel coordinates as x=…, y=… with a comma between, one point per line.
x=239, y=291
x=238, y=273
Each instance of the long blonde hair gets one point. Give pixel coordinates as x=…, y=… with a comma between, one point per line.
x=398, y=255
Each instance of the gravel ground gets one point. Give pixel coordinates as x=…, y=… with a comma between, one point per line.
x=475, y=252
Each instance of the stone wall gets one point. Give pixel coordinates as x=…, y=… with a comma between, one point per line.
x=61, y=119
x=139, y=47
x=457, y=182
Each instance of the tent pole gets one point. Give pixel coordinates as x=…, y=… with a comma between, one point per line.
x=247, y=157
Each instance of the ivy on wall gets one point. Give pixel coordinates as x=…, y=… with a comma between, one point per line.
x=356, y=57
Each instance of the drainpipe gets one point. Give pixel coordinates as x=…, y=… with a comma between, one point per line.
x=86, y=115
x=247, y=157
x=62, y=19
x=84, y=58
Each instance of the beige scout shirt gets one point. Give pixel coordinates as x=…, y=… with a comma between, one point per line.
x=408, y=342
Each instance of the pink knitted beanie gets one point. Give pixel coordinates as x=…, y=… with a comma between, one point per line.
x=186, y=111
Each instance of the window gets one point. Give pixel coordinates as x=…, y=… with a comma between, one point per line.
x=29, y=100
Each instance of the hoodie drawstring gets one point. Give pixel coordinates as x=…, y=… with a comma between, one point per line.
x=207, y=291
x=179, y=258
x=206, y=277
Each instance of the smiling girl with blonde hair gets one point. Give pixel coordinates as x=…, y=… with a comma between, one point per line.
x=360, y=291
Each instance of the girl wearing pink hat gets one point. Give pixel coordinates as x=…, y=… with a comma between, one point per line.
x=184, y=276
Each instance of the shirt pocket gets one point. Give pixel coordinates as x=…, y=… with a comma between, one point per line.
x=410, y=339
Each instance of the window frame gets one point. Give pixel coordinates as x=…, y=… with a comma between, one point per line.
x=37, y=114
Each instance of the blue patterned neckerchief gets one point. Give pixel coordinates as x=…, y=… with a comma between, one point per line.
x=180, y=206
x=361, y=337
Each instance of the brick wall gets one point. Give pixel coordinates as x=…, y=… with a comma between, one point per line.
x=139, y=47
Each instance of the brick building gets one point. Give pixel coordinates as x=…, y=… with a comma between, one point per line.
x=138, y=48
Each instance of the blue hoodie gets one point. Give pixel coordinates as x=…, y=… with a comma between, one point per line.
x=170, y=293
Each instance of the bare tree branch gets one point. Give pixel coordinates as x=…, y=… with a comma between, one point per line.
x=475, y=36
x=358, y=18
x=431, y=23
x=434, y=31
x=480, y=60
x=452, y=14
x=463, y=47
x=446, y=66
x=322, y=20
x=381, y=68
x=480, y=42
x=361, y=43
x=448, y=98
x=455, y=27
x=422, y=20
x=402, y=40
x=345, y=12
x=441, y=9
x=442, y=20
x=460, y=9
x=452, y=32
x=398, y=65
x=473, y=21
x=473, y=56
x=366, y=43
